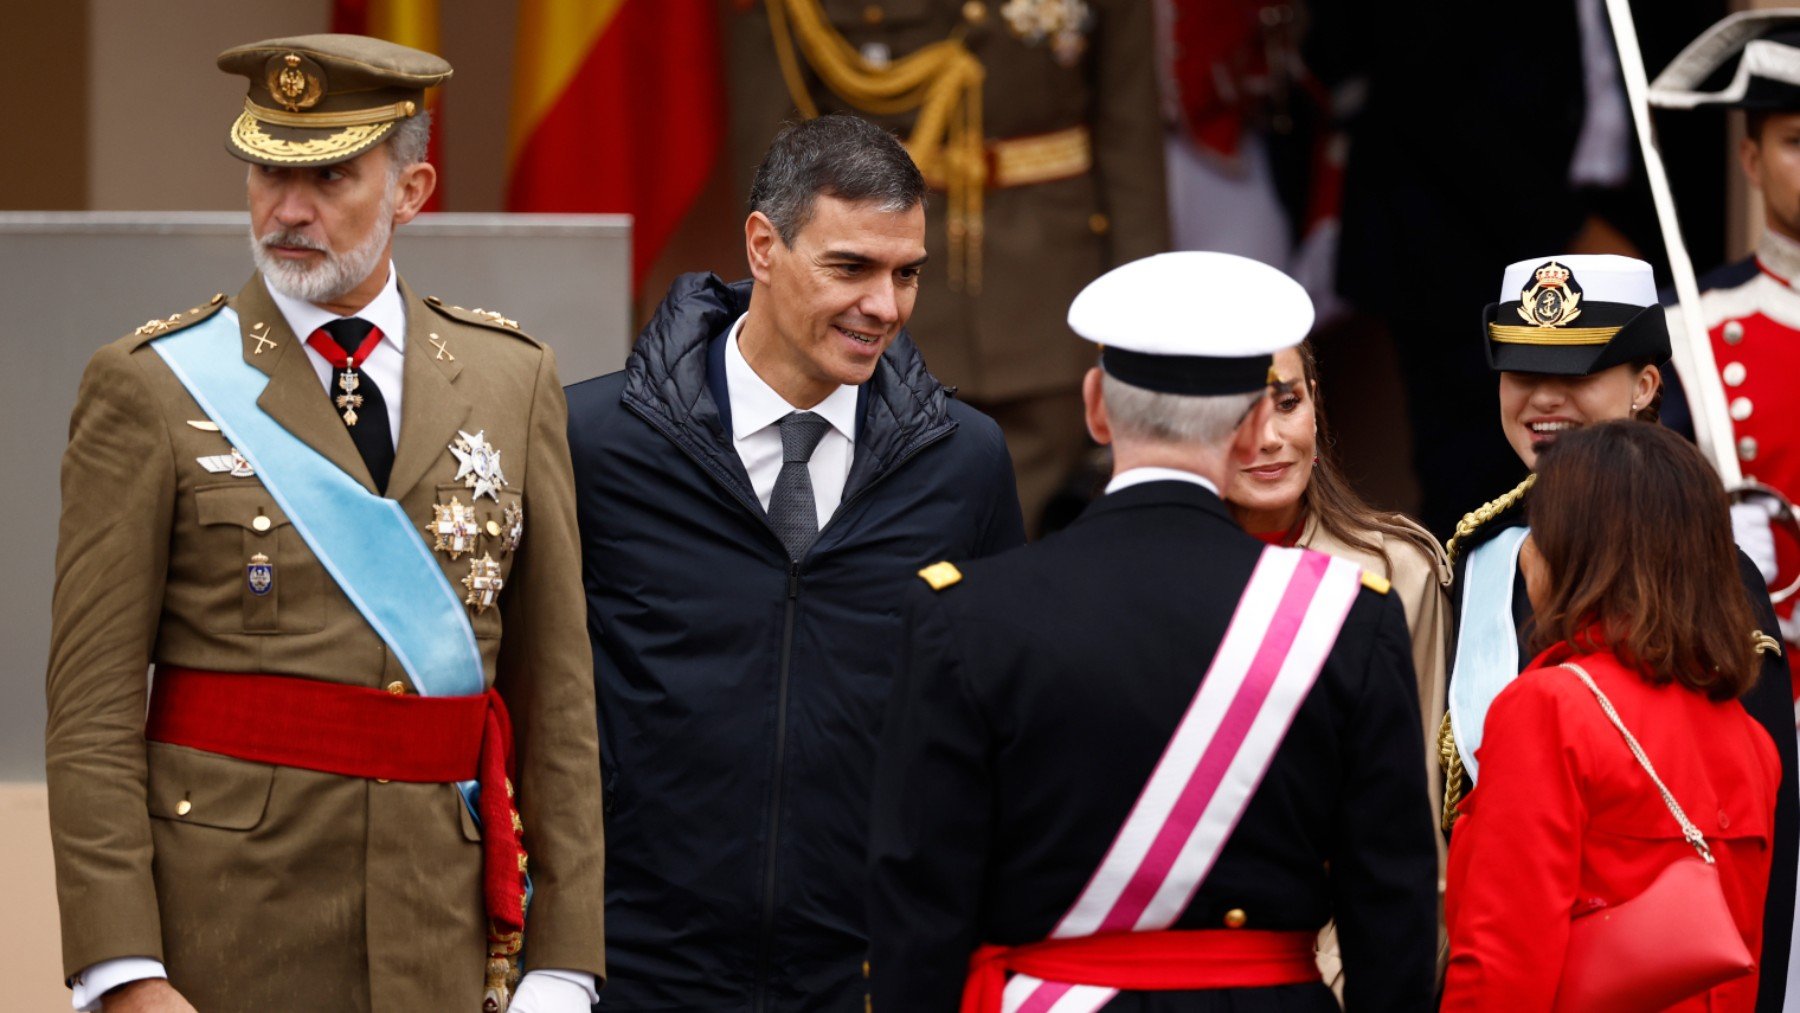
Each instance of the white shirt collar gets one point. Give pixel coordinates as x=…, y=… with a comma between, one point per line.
x=386, y=311
x=755, y=405
x=1138, y=476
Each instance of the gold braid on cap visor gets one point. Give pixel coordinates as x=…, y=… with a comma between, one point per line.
x=248, y=135
x=1551, y=335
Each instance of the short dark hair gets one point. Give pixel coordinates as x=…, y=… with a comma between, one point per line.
x=838, y=156
x=1635, y=531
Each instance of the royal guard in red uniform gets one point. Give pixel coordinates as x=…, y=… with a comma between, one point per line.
x=1751, y=61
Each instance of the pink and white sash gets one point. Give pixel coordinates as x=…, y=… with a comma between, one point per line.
x=1284, y=626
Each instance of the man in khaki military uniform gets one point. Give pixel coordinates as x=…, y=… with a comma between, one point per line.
x=290, y=828
x=1054, y=105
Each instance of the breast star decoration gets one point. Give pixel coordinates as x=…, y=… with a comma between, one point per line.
x=478, y=465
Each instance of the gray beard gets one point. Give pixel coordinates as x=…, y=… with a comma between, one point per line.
x=329, y=279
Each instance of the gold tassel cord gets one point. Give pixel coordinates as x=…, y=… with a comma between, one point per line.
x=941, y=83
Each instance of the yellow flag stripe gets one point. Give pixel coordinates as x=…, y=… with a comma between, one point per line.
x=555, y=36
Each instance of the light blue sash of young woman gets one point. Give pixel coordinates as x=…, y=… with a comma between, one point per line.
x=1487, y=642
x=366, y=542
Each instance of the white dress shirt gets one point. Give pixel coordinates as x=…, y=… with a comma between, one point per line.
x=546, y=990
x=756, y=413
x=1138, y=476
x=385, y=365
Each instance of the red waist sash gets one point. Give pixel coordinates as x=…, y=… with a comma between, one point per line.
x=1147, y=962
x=359, y=732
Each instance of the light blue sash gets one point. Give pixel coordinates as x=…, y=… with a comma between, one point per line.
x=1487, y=642
x=366, y=542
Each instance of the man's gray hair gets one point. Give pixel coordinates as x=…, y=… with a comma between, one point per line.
x=409, y=143
x=1174, y=418
x=838, y=156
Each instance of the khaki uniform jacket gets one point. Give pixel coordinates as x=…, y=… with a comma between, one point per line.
x=1422, y=584
x=277, y=887
x=1045, y=241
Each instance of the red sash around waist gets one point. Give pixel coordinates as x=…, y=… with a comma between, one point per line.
x=359, y=732
x=1147, y=962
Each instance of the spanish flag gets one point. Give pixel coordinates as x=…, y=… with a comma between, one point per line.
x=410, y=23
x=617, y=107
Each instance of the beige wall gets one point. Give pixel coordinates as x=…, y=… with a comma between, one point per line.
x=30, y=947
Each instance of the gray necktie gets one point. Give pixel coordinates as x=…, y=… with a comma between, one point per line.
x=792, y=511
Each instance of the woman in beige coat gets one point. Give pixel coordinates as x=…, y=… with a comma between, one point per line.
x=1292, y=493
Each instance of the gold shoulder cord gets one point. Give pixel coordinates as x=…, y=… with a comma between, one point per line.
x=941, y=81
x=1474, y=519
x=1451, y=762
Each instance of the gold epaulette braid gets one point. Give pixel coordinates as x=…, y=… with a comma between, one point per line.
x=941, y=81
x=1474, y=519
x=1451, y=761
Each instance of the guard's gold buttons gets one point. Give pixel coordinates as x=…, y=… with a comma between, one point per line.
x=262, y=522
x=1099, y=224
x=873, y=15
x=183, y=807
x=1235, y=918
x=975, y=12
x=493, y=529
x=397, y=687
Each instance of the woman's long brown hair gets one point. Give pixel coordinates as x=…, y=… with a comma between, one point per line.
x=1330, y=497
x=1635, y=533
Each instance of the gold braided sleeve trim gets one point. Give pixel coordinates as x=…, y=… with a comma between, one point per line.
x=1473, y=520
x=1451, y=761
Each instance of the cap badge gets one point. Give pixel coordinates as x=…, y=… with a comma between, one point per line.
x=293, y=83
x=1553, y=299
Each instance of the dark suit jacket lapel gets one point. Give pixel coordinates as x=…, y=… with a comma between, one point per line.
x=294, y=396
x=432, y=409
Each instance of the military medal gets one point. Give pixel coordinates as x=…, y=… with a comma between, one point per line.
x=232, y=463
x=484, y=583
x=260, y=574
x=345, y=363
x=453, y=528
x=512, y=528
x=478, y=464
x=1065, y=23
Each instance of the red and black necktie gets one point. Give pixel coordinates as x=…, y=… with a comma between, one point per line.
x=347, y=343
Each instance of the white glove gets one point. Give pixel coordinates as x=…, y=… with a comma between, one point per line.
x=1750, y=529
x=554, y=991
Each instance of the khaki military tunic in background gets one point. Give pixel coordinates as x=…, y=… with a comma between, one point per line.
x=262, y=887
x=1008, y=349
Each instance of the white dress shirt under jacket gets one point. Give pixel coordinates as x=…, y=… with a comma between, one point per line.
x=756, y=413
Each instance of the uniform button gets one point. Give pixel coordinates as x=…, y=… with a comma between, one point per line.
x=873, y=15
x=397, y=688
x=1740, y=408
x=877, y=53
x=1734, y=332
x=1099, y=224
x=975, y=12
x=493, y=529
x=262, y=522
x=1235, y=918
x=183, y=807
x=1724, y=820
x=1733, y=373
x=1747, y=448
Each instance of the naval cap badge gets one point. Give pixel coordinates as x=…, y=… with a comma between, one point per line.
x=1553, y=298
x=478, y=464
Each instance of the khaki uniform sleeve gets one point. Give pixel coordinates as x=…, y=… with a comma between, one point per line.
x=546, y=674
x=1128, y=132
x=112, y=553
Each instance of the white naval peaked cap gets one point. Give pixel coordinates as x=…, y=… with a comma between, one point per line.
x=1604, y=277
x=1193, y=322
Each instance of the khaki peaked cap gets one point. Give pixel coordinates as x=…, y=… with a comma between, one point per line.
x=323, y=99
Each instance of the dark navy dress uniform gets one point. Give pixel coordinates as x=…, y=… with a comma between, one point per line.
x=1038, y=694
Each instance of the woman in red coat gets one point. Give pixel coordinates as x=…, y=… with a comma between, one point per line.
x=1631, y=574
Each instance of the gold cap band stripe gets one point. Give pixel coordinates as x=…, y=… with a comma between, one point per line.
x=1551, y=335
x=327, y=121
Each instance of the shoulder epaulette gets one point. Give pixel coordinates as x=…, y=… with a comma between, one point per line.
x=490, y=319
x=1376, y=582
x=941, y=575
x=156, y=327
x=1473, y=520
